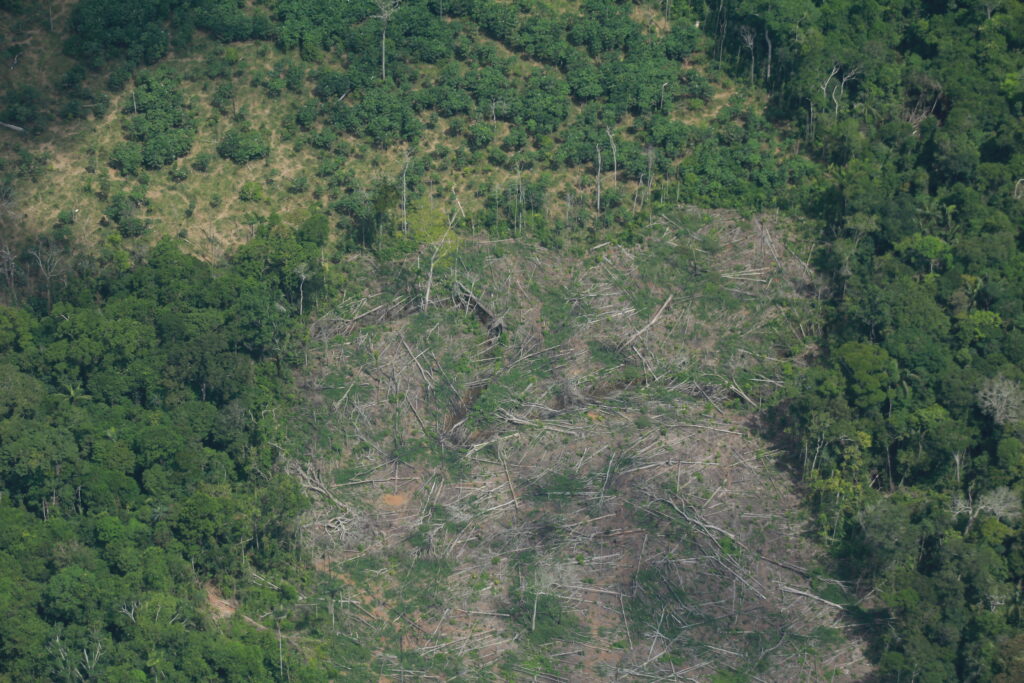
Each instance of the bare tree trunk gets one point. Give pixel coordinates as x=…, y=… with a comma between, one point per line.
x=386, y=8
x=720, y=24
x=599, y=180
x=849, y=76
x=383, y=52
x=51, y=265
x=747, y=35
x=650, y=177
x=824, y=85
x=8, y=266
x=615, y=156
x=520, y=201
x=405, y=211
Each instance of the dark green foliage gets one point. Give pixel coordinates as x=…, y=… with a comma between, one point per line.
x=544, y=104
x=241, y=144
x=179, y=173
x=682, y=41
x=143, y=31
x=603, y=26
x=906, y=434
x=132, y=470
x=314, y=229
x=313, y=26
x=106, y=29
x=223, y=98
x=299, y=184
x=479, y=135
x=21, y=106
x=121, y=210
x=894, y=127
x=228, y=22
x=159, y=127
x=127, y=157
x=384, y=115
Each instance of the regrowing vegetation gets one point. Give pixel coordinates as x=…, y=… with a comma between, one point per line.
x=534, y=340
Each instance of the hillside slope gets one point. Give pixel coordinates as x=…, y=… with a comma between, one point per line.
x=543, y=464
x=295, y=291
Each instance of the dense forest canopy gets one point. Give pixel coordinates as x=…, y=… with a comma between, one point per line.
x=136, y=452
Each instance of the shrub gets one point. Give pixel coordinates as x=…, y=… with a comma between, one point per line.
x=132, y=227
x=242, y=144
x=479, y=135
x=202, y=162
x=251, y=192
x=127, y=157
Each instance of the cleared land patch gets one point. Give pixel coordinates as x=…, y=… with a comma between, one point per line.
x=548, y=468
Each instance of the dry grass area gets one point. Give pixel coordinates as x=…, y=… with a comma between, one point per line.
x=652, y=19
x=546, y=467
x=204, y=210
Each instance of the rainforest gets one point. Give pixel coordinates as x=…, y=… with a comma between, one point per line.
x=551, y=340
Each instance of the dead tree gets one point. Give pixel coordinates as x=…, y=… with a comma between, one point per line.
x=520, y=202
x=387, y=8
x=302, y=271
x=615, y=152
x=991, y=6
x=433, y=261
x=494, y=324
x=7, y=202
x=1000, y=502
x=9, y=267
x=835, y=92
x=1002, y=399
x=824, y=84
x=848, y=76
x=747, y=36
x=51, y=262
x=405, y=191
